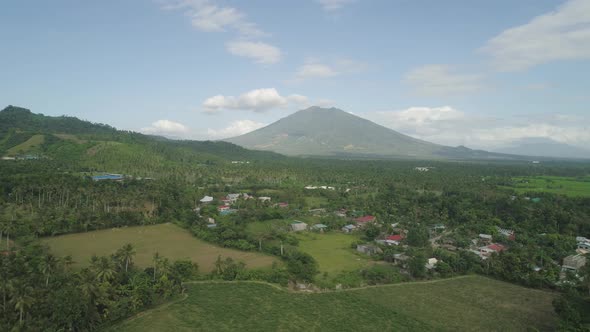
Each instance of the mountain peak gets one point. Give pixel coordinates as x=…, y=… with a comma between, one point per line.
x=319, y=131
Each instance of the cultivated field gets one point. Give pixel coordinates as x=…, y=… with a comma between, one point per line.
x=332, y=251
x=169, y=240
x=569, y=186
x=469, y=303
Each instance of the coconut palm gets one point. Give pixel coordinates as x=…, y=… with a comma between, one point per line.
x=21, y=298
x=48, y=265
x=126, y=254
x=156, y=259
x=104, y=269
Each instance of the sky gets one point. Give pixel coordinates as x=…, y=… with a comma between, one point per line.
x=460, y=72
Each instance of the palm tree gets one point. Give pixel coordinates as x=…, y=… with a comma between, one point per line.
x=48, y=265
x=104, y=269
x=126, y=254
x=20, y=298
x=156, y=260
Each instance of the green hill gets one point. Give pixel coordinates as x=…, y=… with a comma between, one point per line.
x=95, y=146
x=332, y=132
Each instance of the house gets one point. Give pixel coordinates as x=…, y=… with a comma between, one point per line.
x=298, y=226
x=348, y=228
x=223, y=208
x=535, y=200
x=573, y=263
x=206, y=199
x=264, y=199
x=368, y=249
x=507, y=233
x=211, y=225
x=226, y=202
x=283, y=205
x=438, y=227
x=485, y=237
x=431, y=263
x=8, y=158
x=496, y=247
x=311, y=187
x=232, y=197
x=210, y=220
x=582, y=239
x=422, y=169
x=341, y=213
x=584, y=245
x=319, y=227
x=112, y=177
x=394, y=240
x=364, y=220
x=317, y=211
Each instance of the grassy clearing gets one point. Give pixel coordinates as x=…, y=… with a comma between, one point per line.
x=169, y=240
x=332, y=251
x=313, y=202
x=32, y=144
x=569, y=186
x=469, y=303
x=258, y=228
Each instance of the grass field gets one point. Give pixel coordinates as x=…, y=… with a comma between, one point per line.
x=569, y=186
x=169, y=240
x=32, y=144
x=469, y=303
x=332, y=251
x=313, y=202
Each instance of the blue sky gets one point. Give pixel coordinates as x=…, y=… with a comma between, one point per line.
x=478, y=73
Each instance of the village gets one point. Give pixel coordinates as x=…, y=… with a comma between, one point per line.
x=388, y=242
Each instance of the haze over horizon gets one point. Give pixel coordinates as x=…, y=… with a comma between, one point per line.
x=204, y=69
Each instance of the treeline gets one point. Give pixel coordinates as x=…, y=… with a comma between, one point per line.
x=42, y=292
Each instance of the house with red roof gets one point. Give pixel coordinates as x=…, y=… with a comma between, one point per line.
x=365, y=219
x=394, y=240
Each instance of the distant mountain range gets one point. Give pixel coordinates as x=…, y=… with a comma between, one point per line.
x=540, y=146
x=332, y=132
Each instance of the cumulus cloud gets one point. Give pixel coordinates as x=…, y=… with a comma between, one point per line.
x=314, y=68
x=235, y=128
x=563, y=34
x=442, y=80
x=332, y=5
x=258, y=100
x=166, y=128
x=207, y=16
x=258, y=51
x=449, y=126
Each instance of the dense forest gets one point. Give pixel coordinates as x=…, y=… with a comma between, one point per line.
x=47, y=189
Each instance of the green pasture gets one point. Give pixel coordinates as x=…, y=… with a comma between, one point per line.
x=168, y=240
x=332, y=251
x=569, y=186
x=471, y=303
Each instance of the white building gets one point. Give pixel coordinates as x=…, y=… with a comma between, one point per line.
x=206, y=199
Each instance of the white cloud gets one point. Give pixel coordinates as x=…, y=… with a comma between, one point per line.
x=332, y=5
x=563, y=34
x=166, y=128
x=235, y=128
x=206, y=16
x=449, y=126
x=315, y=70
x=442, y=80
x=259, y=100
x=258, y=51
